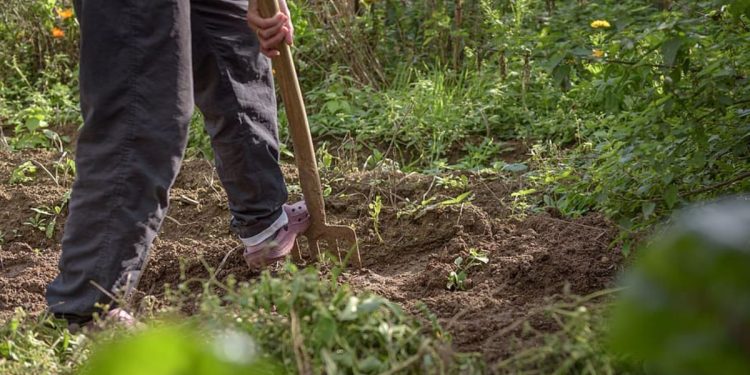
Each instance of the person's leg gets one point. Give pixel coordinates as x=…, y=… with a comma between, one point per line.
x=234, y=91
x=136, y=100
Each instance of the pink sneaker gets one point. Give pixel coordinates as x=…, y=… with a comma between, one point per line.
x=281, y=244
x=120, y=317
x=114, y=317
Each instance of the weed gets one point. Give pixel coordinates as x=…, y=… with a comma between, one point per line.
x=375, y=207
x=480, y=156
x=39, y=345
x=453, y=182
x=33, y=131
x=38, y=221
x=426, y=205
x=45, y=218
x=23, y=173
x=522, y=204
x=301, y=320
x=457, y=279
x=459, y=199
x=373, y=160
x=65, y=166
x=325, y=158
x=416, y=209
x=199, y=142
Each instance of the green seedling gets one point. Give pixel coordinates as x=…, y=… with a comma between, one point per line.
x=45, y=217
x=375, y=207
x=33, y=131
x=418, y=210
x=457, y=277
x=325, y=157
x=38, y=221
x=453, y=182
x=480, y=155
x=66, y=167
x=373, y=160
x=455, y=200
x=521, y=203
x=23, y=173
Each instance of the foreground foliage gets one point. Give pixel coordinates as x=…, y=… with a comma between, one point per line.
x=687, y=310
x=296, y=322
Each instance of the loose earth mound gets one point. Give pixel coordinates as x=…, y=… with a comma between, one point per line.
x=424, y=225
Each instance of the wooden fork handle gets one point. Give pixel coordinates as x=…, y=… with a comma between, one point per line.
x=304, y=152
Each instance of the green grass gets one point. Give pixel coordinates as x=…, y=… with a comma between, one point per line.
x=39, y=345
x=298, y=321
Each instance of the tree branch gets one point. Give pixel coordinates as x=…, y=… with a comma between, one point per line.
x=716, y=186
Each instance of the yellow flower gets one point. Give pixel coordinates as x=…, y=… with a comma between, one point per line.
x=65, y=13
x=597, y=53
x=601, y=24
x=57, y=32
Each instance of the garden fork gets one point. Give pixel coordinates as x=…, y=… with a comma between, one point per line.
x=304, y=155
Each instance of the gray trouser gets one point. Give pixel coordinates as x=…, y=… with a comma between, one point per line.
x=145, y=64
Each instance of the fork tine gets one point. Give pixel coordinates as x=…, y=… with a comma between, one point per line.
x=336, y=247
x=315, y=248
x=356, y=258
x=296, y=253
x=352, y=252
x=341, y=238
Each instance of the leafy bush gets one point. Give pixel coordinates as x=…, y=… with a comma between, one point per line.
x=38, y=89
x=661, y=115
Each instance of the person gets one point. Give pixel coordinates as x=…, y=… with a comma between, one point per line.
x=144, y=66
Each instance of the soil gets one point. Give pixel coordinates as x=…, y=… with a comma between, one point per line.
x=533, y=260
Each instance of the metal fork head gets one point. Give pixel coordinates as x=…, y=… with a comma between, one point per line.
x=337, y=237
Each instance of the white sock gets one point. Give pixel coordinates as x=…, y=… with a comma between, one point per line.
x=268, y=232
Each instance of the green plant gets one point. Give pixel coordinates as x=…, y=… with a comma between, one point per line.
x=199, y=142
x=460, y=182
x=45, y=218
x=458, y=276
x=417, y=210
x=39, y=221
x=481, y=155
x=375, y=207
x=39, y=345
x=310, y=323
x=34, y=57
x=649, y=112
x=65, y=166
x=324, y=156
x=298, y=321
x=23, y=173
